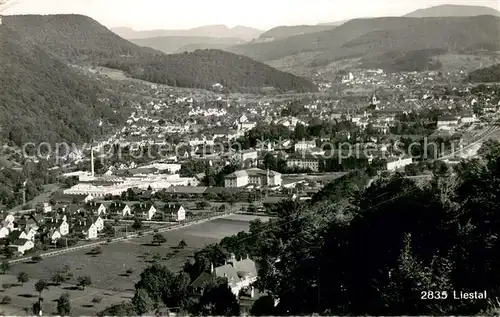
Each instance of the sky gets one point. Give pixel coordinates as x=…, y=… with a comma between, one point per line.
x=262, y=14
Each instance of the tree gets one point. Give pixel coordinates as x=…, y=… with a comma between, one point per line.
x=84, y=281
x=163, y=287
x=40, y=286
x=36, y=258
x=5, y=266
x=263, y=306
x=97, y=250
x=121, y=310
x=22, y=277
x=202, y=204
x=109, y=230
x=217, y=300
x=182, y=244
x=137, y=225
x=156, y=257
x=64, y=305
x=159, y=239
x=58, y=278
x=142, y=302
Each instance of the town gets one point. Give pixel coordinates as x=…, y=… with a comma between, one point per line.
x=243, y=180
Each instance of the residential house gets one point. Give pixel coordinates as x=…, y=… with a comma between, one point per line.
x=239, y=274
x=144, y=211
x=28, y=234
x=96, y=208
x=88, y=198
x=175, y=211
x=252, y=176
x=98, y=222
x=120, y=208
x=57, y=228
x=87, y=228
x=9, y=221
x=46, y=208
x=21, y=245
x=4, y=232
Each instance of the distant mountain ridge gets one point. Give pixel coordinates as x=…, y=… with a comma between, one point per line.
x=450, y=10
x=216, y=31
x=179, y=44
x=287, y=31
x=372, y=38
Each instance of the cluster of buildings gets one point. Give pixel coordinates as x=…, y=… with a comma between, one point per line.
x=50, y=224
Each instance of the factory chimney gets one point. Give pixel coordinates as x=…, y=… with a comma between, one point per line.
x=92, y=161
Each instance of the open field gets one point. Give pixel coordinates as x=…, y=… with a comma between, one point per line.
x=24, y=296
x=108, y=269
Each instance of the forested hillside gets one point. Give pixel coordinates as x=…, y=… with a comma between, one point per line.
x=371, y=38
x=77, y=38
x=44, y=100
x=203, y=68
x=486, y=75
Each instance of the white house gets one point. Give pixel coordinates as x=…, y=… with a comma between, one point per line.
x=22, y=245
x=55, y=235
x=101, y=210
x=47, y=207
x=126, y=211
x=144, y=211
x=176, y=212
x=239, y=274
x=90, y=231
x=88, y=198
x=9, y=221
x=28, y=234
x=4, y=232
x=87, y=228
x=99, y=223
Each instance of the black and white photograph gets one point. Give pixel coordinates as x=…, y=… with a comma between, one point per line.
x=249, y=158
